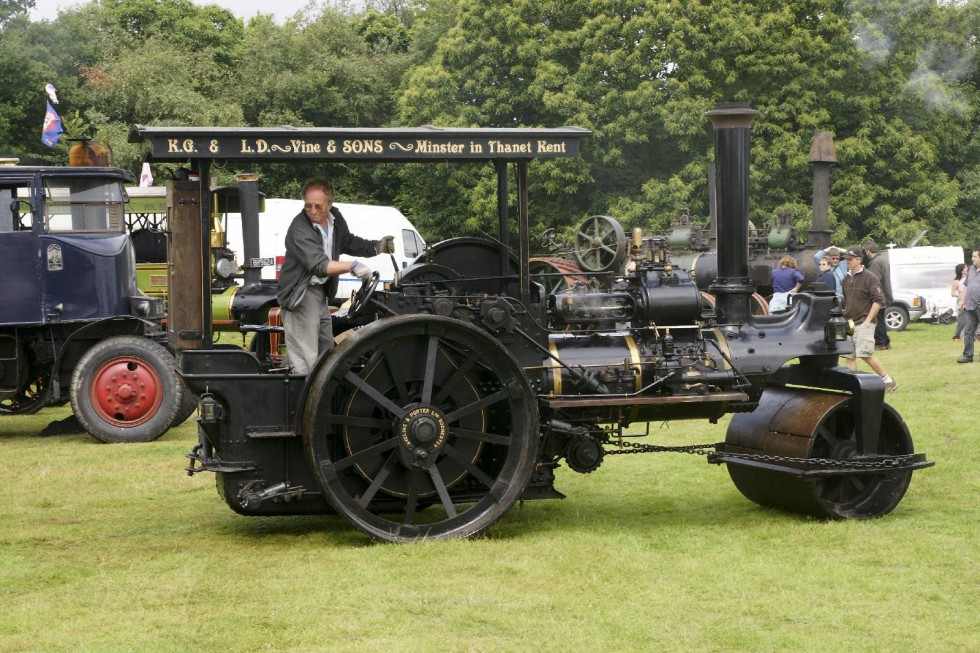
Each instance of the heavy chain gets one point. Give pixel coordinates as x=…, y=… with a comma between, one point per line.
x=710, y=450
x=636, y=447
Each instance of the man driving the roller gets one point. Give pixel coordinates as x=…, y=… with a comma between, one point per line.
x=310, y=273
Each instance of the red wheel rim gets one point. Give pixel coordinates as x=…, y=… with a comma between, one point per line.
x=126, y=391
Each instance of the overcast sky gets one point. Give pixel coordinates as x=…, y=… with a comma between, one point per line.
x=280, y=9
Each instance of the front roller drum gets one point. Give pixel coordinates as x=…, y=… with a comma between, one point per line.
x=797, y=423
x=420, y=427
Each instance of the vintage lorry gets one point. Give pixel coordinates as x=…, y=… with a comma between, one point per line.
x=73, y=325
x=457, y=390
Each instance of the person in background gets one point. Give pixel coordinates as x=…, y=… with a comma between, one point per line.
x=786, y=279
x=958, y=278
x=878, y=263
x=826, y=274
x=969, y=303
x=837, y=267
x=316, y=238
x=863, y=300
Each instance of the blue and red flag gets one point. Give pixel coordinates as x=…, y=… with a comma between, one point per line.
x=52, y=130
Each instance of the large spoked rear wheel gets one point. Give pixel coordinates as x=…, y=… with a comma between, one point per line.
x=124, y=390
x=421, y=411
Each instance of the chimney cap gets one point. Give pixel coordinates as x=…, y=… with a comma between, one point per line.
x=822, y=148
x=728, y=115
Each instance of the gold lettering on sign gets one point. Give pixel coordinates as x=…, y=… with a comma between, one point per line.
x=303, y=147
x=214, y=146
x=246, y=148
x=428, y=147
x=544, y=147
x=261, y=146
x=360, y=146
x=176, y=147
x=499, y=147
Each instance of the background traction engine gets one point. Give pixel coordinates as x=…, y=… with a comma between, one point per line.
x=456, y=391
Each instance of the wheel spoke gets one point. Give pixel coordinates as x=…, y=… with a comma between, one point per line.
x=492, y=438
x=375, y=394
x=358, y=422
x=447, y=503
x=396, y=372
x=857, y=482
x=411, y=504
x=475, y=471
x=354, y=458
x=489, y=400
x=379, y=478
x=456, y=378
x=430, y=369
x=825, y=434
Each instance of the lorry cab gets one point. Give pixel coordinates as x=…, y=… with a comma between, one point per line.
x=64, y=252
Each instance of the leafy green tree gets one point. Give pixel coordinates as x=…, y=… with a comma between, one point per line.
x=641, y=75
x=11, y=8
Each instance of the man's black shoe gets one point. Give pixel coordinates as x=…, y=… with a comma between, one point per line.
x=964, y=359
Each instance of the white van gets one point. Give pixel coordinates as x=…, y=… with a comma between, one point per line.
x=364, y=220
x=927, y=271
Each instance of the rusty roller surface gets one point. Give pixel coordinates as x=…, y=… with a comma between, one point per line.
x=808, y=424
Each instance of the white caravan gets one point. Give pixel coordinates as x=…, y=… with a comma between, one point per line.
x=927, y=271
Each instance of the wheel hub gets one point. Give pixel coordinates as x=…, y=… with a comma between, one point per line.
x=423, y=428
x=422, y=433
x=126, y=392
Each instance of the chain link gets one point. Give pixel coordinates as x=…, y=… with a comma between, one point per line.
x=711, y=450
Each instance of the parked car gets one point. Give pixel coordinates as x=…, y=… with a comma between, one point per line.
x=906, y=307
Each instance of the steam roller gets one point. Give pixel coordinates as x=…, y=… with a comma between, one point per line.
x=466, y=383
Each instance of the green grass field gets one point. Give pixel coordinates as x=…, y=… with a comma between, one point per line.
x=114, y=548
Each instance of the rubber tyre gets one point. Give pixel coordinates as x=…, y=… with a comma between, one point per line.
x=896, y=318
x=187, y=407
x=118, y=364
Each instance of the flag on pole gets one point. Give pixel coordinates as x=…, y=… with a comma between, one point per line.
x=52, y=93
x=52, y=130
x=146, y=177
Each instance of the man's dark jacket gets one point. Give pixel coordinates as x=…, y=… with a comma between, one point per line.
x=305, y=257
x=879, y=265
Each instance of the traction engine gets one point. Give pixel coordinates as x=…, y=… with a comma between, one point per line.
x=459, y=388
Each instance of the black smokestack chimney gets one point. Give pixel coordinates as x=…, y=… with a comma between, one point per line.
x=732, y=287
x=248, y=203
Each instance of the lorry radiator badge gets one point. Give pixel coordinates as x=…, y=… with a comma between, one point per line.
x=55, y=261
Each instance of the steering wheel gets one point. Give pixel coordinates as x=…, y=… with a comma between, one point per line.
x=363, y=295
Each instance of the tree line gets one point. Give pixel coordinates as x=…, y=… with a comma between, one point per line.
x=895, y=81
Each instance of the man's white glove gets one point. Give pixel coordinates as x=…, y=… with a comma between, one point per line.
x=387, y=245
x=360, y=270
